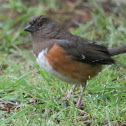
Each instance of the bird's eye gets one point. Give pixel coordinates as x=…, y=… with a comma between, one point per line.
x=31, y=23
x=39, y=24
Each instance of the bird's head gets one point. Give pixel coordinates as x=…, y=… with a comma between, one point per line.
x=42, y=27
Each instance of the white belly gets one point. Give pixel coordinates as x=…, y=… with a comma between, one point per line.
x=44, y=64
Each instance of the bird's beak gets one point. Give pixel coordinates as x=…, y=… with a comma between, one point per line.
x=29, y=28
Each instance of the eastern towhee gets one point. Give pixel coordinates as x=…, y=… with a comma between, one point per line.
x=70, y=58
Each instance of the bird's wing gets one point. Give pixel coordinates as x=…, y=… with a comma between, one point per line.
x=86, y=52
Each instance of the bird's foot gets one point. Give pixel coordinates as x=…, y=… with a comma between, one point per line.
x=76, y=101
x=65, y=98
x=79, y=103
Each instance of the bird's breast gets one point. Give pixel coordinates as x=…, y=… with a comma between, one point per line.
x=57, y=63
x=43, y=62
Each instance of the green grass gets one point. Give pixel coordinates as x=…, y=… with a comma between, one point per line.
x=36, y=96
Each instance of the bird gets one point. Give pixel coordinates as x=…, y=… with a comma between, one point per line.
x=70, y=58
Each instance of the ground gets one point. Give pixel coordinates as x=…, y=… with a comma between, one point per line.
x=29, y=96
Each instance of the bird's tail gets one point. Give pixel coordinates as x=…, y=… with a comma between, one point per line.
x=117, y=50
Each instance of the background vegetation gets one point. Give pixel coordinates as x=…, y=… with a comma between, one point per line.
x=29, y=96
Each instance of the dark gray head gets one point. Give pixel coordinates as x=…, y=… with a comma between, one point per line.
x=43, y=27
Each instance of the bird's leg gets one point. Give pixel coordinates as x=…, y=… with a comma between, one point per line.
x=80, y=97
x=72, y=90
x=69, y=93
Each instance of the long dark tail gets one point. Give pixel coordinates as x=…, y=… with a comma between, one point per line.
x=117, y=50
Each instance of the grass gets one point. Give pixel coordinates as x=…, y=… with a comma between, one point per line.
x=33, y=97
